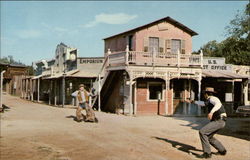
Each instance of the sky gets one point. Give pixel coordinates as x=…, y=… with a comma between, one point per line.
x=31, y=30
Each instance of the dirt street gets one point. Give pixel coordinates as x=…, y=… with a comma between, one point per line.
x=32, y=131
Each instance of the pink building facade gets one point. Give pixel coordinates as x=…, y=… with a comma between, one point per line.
x=153, y=68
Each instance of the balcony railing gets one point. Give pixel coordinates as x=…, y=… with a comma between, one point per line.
x=154, y=59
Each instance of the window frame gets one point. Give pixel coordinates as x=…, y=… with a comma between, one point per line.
x=148, y=92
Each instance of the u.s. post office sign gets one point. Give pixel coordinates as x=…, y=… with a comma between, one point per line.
x=214, y=63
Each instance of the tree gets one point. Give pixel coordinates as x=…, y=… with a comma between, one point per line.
x=235, y=48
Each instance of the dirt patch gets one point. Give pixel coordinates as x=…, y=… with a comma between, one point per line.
x=32, y=131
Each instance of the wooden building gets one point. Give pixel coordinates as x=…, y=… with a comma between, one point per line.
x=13, y=77
x=150, y=69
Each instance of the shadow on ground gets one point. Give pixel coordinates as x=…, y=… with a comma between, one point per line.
x=4, y=108
x=235, y=127
x=182, y=146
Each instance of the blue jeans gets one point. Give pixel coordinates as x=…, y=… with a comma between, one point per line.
x=82, y=105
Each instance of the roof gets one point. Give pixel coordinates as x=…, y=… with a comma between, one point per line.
x=13, y=65
x=168, y=19
x=222, y=74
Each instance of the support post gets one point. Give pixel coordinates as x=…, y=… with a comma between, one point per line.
x=1, y=89
x=135, y=98
x=32, y=89
x=130, y=97
x=50, y=92
x=99, y=92
x=63, y=90
x=166, y=92
x=199, y=95
x=55, y=93
x=38, y=90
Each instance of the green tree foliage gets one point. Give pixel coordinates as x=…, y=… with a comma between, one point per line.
x=236, y=47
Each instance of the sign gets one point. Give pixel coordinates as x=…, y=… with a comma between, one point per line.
x=85, y=61
x=213, y=63
x=228, y=97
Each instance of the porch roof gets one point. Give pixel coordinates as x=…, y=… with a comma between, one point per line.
x=222, y=74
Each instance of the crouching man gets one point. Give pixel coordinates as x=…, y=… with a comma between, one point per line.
x=217, y=117
x=83, y=98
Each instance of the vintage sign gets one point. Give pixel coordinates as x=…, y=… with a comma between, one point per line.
x=213, y=63
x=84, y=60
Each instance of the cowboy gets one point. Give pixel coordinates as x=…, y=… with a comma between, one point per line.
x=217, y=116
x=83, y=98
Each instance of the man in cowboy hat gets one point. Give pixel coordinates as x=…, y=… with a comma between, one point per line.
x=83, y=98
x=217, y=116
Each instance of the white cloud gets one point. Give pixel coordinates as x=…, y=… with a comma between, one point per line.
x=117, y=18
x=26, y=34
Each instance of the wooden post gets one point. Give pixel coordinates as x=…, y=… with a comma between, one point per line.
x=166, y=93
x=199, y=95
x=55, y=89
x=130, y=97
x=99, y=92
x=32, y=89
x=153, y=56
x=135, y=98
x=38, y=90
x=127, y=55
x=50, y=92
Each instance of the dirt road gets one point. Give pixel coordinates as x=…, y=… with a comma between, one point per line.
x=32, y=131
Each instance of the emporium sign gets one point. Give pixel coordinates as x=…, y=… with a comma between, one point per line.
x=212, y=63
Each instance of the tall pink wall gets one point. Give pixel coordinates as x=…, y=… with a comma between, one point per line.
x=172, y=32
x=119, y=42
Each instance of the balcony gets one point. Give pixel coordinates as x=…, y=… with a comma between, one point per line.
x=138, y=58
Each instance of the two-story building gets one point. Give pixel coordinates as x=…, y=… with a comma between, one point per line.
x=150, y=69
x=56, y=79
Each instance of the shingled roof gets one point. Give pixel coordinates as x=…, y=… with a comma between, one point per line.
x=168, y=19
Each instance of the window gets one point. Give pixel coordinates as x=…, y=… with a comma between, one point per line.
x=176, y=45
x=130, y=42
x=155, y=90
x=153, y=44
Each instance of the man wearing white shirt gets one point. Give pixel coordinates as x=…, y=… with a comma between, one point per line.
x=217, y=116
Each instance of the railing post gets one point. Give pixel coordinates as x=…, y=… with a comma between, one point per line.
x=153, y=56
x=109, y=52
x=127, y=52
x=201, y=59
x=178, y=58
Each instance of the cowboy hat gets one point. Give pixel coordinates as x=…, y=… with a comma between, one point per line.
x=209, y=89
x=81, y=85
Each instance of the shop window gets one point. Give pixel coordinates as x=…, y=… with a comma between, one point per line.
x=155, y=90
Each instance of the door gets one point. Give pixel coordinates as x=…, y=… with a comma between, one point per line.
x=153, y=44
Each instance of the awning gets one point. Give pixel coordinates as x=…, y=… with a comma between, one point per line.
x=37, y=77
x=222, y=74
x=84, y=74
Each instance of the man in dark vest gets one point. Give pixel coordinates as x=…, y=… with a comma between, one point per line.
x=217, y=116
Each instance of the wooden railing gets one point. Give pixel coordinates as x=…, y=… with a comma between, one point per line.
x=154, y=59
